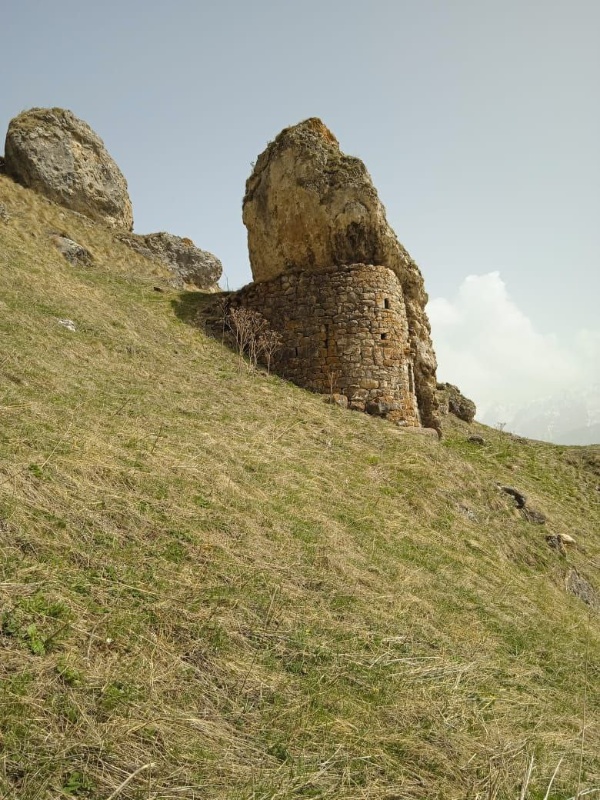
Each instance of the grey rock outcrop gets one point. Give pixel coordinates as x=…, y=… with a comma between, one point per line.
x=308, y=206
x=579, y=586
x=452, y=401
x=75, y=253
x=188, y=263
x=58, y=155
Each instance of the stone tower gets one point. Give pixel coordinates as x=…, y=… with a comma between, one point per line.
x=332, y=278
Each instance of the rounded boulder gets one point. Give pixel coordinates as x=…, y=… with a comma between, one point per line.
x=59, y=156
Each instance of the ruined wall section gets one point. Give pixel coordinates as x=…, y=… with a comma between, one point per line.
x=344, y=331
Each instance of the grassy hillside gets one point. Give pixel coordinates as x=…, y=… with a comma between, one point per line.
x=214, y=585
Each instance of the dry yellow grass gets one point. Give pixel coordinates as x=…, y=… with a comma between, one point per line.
x=214, y=585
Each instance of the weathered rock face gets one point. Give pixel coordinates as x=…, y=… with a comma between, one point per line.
x=58, y=155
x=74, y=253
x=188, y=263
x=452, y=401
x=310, y=207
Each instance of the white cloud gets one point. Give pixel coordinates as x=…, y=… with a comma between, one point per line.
x=488, y=347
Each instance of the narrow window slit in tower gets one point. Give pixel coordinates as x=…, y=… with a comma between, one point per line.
x=386, y=303
x=384, y=335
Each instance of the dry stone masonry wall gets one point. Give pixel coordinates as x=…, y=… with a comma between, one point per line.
x=344, y=330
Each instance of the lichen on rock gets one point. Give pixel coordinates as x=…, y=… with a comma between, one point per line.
x=188, y=264
x=58, y=155
x=74, y=252
x=452, y=401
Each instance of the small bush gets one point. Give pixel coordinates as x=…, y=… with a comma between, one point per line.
x=253, y=336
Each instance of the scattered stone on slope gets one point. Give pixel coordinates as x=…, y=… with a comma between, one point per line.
x=560, y=542
x=476, y=440
x=579, y=586
x=4, y=215
x=74, y=253
x=530, y=514
x=519, y=498
x=555, y=542
x=58, y=155
x=336, y=399
x=188, y=263
x=452, y=401
x=68, y=324
x=468, y=512
x=534, y=516
x=310, y=207
x=566, y=539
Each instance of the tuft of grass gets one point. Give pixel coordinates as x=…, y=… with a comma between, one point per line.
x=213, y=584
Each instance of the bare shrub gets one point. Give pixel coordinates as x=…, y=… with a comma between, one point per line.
x=269, y=342
x=333, y=377
x=253, y=337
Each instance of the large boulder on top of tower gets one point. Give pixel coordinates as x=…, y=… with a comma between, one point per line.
x=308, y=206
x=58, y=155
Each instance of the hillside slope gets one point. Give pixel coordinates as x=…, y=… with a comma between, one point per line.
x=214, y=585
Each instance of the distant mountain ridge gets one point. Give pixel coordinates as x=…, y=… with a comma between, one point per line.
x=568, y=418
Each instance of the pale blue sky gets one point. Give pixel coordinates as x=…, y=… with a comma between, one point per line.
x=479, y=121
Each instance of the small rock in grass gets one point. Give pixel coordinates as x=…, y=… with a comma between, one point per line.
x=337, y=400
x=519, y=498
x=75, y=253
x=531, y=515
x=68, y=324
x=579, y=586
x=566, y=539
x=555, y=543
x=468, y=512
x=560, y=542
